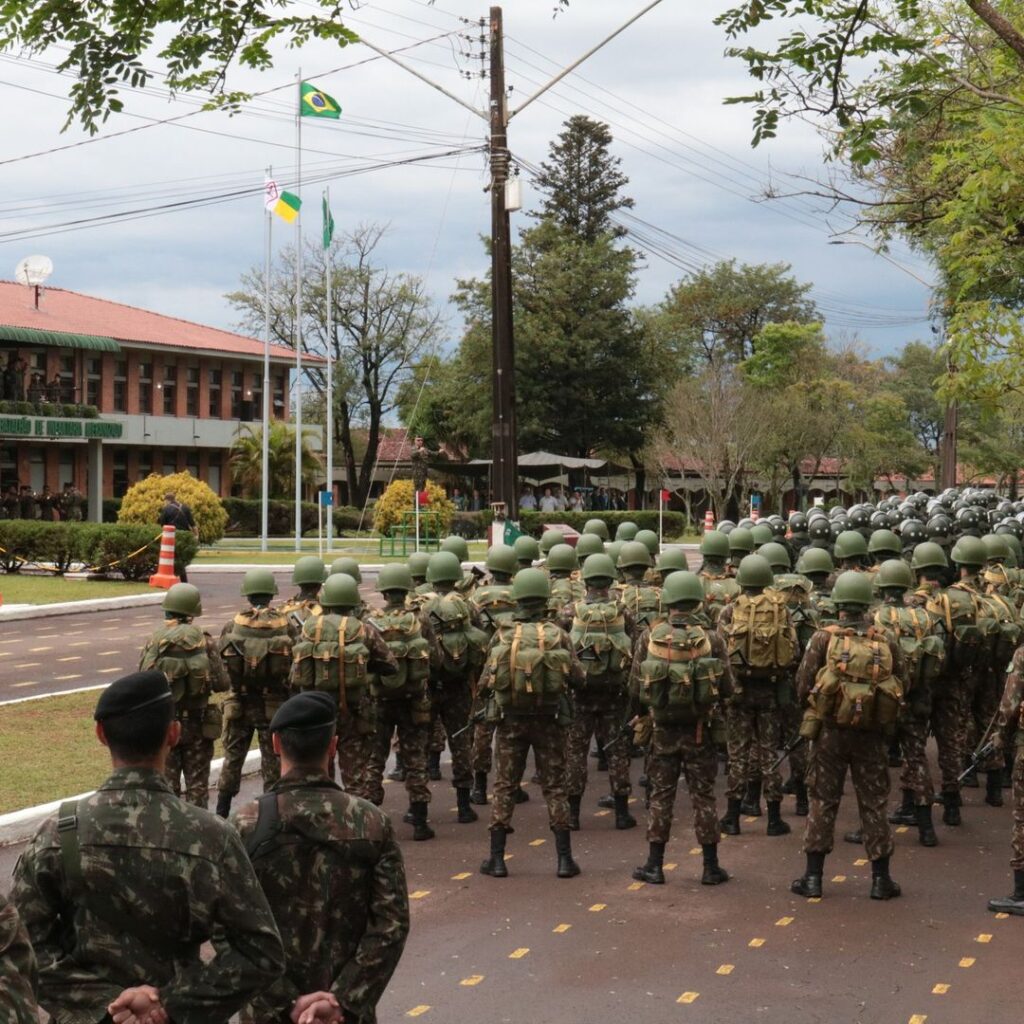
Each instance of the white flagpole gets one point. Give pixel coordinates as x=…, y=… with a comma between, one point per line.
x=298, y=321
x=661, y=516
x=330, y=380
x=265, y=489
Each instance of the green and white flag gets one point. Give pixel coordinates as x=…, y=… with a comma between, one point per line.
x=328, y=223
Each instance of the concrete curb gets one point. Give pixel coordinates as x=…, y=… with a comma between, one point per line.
x=98, y=604
x=18, y=826
x=197, y=568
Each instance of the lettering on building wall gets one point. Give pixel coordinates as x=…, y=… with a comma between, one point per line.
x=23, y=426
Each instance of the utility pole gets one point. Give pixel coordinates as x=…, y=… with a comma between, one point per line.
x=504, y=474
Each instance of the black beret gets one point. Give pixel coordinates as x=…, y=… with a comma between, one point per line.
x=132, y=693
x=310, y=710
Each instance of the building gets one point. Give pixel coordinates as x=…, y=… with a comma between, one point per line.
x=101, y=394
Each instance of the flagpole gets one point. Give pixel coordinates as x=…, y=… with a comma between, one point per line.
x=298, y=319
x=330, y=379
x=265, y=472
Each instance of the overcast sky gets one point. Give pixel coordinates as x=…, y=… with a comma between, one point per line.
x=659, y=86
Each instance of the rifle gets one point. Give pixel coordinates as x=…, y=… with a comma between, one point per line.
x=794, y=744
x=624, y=732
x=474, y=719
x=985, y=748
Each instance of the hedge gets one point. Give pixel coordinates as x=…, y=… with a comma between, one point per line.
x=66, y=409
x=245, y=517
x=472, y=525
x=97, y=545
x=646, y=519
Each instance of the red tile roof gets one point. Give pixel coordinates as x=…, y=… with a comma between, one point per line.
x=74, y=313
x=395, y=445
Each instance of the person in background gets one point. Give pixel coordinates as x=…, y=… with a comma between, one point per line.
x=527, y=500
x=458, y=500
x=576, y=502
x=476, y=502
x=548, y=503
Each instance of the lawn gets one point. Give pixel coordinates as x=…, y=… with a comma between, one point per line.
x=18, y=589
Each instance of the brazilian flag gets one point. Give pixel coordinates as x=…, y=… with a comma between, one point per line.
x=315, y=102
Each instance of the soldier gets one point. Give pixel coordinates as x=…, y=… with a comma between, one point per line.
x=529, y=671
x=741, y=544
x=602, y=632
x=883, y=545
x=548, y=540
x=120, y=890
x=641, y=599
x=563, y=569
x=597, y=528
x=460, y=549
x=719, y=586
x=308, y=575
x=851, y=678
x=462, y=649
x=668, y=562
x=912, y=533
x=333, y=874
x=527, y=551
x=420, y=457
x=850, y=553
x=189, y=659
x=337, y=653
x=588, y=544
x=417, y=563
x=402, y=700
x=680, y=672
x=256, y=648
x=817, y=565
x=762, y=644
x=350, y=567
x=626, y=531
x=17, y=969
x=799, y=538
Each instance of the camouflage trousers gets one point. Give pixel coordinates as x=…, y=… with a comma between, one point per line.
x=949, y=726
x=916, y=775
x=866, y=755
x=982, y=701
x=513, y=738
x=357, y=739
x=1018, y=811
x=791, y=719
x=191, y=758
x=685, y=750
x=397, y=716
x=601, y=721
x=754, y=738
x=242, y=718
x=436, y=737
x=453, y=704
x=482, y=752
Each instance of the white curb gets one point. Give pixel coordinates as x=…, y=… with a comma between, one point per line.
x=96, y=604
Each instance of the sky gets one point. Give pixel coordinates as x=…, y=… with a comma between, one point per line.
x=660, y=86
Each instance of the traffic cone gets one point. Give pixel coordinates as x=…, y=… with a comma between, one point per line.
x=709, y=521
x=164, y=576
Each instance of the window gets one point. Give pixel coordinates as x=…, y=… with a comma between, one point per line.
x=255, y=396
x=145, y=388
x=120, y=386
x=215, y=381
x=93, y=380
x=192, y=463
x=192, y=391
x=237, y=385
x=145, y=462
x=170, y=389
x=213, y=475
x=278, y=397
x=120, y=472
x=66, y=390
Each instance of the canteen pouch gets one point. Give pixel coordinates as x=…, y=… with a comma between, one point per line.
x=212, y=722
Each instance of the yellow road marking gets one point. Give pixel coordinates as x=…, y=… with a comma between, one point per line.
x=461, y=876
x=814, y=899
x=726, y=969
x=106, y=654
x=6, y=654
x=694, y=851
x=918, y=1018
x=81, y=643
x=631, y=800
x=560, y=929
x=509, y=856
x=74, y=657
x=940, y=990
x=473, y=979
x=756, y=943
x=29, y=664
x=984, y=938
x=839, y=878
x=602, y=814
x=595, y=908
x=46, y=636
x=537, y=842
x=901, y=829
x=860, y=863
x=28, y=682
x=419, y=894
x=107, y=671
x=967, y=961
x=518, y=954
x=1001, y=916
x=634, y=886
x=36, y=650
x=62, y=678
x=417, y=1011
x=687, y=997
x=749, y=821
x=783, y=922
x=672, y=867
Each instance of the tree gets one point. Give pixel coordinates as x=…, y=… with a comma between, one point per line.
x=196, y=42
x=246, y=460
x=383, y=324
x=143, y=501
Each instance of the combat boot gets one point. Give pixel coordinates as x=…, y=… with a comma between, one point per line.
x=905, y=813
x=809, y=884
x=882, y=886
x=567, y=867
x=970, y=780
x=925, y=828
x=521, y=796
x=951, y=809
x=776, y=825
x=466, y=813
x=854, y=837
x=895, y=756
x=801, y=810
x=478, y=794
x=607, y=801
x=434, y=766
x=623, y=819
x=224, y=804
x=495, y=864
x=408, y=817
x=602, y=759
x=751, y=805
x=789, y=786
x=730, y=824
x=574, y=812
x=397, y=774
x=714, y=873
x=420, y=829
x=1014, y=903
x=994, y=788
x=653, y=872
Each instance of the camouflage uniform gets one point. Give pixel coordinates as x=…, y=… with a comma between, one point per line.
x=1009, y=728
x=299, y=609
x=866, y=754
x=159, y=879
x=17, y=969
x=493, y=603
x=336, y=884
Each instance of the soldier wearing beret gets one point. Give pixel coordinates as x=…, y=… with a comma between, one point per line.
x=332, y=873
x=119, y=891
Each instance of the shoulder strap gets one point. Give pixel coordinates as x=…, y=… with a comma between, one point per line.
x=268, y=825
x=70, y=853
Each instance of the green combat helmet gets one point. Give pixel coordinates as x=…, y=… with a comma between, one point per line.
x=417, y=563
x=671, y=561
x=626, y=530
x=969, y=552
x=259, y=583
x=741, y=541
x=754, y=571
x=549, y=538
x=563, y=558
x=349, y=566
x=895, y=574
x=531, y=585
x=501, y=558
x=815, y=560
x=340, y=591
x=394, y=577
x=928, y=555
x=599, y=567
x=852, y=589
x=682, y=586
x=762, y=534
x=589, y=544
x=443, y=567
x=183, y=599
x=613, y=550
x=850, y=544
x=457, y=546
x=309, y=570
x=526, y=549
x=714, y=544
x=634, y=553
x=997, y=547
x=598, y=528
x=649, y=539
x=777, y=556
x=884, y=542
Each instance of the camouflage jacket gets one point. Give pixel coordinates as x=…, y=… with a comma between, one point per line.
x=159, y=879
x=1010, y=720
x=335, y=881
x=17, y=969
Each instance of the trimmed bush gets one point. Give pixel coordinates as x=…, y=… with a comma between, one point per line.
x=144, y=500
x=646, y=519
x=398, y=499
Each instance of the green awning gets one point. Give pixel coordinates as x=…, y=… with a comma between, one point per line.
x=62, y=339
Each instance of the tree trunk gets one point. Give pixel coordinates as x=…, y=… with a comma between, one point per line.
x=641, y=482
x=345, y=437
x=369, y=458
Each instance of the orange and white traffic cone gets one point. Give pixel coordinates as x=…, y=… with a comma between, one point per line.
x=709, y=521
x=164, y=576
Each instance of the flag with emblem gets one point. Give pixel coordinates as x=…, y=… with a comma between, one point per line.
x=314, y=102
x=328, y=231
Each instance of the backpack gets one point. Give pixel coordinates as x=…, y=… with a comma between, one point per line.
x=679, y=677
x=565, y=592
x=529, y=668
x=601, y=643
x=802, y=611
x=462, y=644
x=401, y=631
x=643, y=601
x=998, y=622
x=958, y=608
x=760, y=636
x=494, y=604
x=179, y=651
x=331, y=656
x=257, y=650
x=913, y=629
x=718, y=592
x=855, y=688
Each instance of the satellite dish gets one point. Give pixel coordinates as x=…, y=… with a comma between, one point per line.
x=33, y=270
